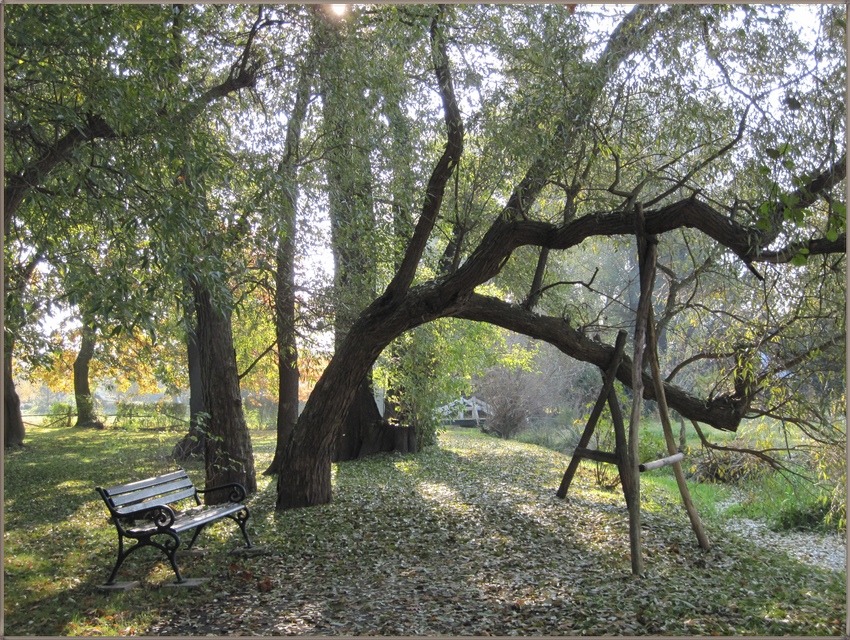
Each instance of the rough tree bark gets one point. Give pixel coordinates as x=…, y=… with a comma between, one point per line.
x=288, y=375
x=14, y=281
x=284, y=300
x=228, y=454
x=193, y=444
x=82, y=391
x=13, y=421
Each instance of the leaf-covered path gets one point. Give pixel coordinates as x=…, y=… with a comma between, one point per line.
x=469, y=539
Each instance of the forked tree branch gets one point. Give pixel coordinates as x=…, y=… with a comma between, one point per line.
x=442, y=171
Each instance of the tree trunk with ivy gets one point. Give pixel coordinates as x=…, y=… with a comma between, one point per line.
x=352, y=215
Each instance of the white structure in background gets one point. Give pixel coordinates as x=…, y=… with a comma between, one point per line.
x=466, y=412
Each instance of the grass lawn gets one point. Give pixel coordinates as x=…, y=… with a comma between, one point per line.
x=461, y=539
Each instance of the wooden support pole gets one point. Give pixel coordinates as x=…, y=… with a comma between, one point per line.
x=646, y=259
x=607, y=386
x=662, y=462
x=621, y=445
x=661, y=399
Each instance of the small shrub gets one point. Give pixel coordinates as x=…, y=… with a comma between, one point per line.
x=176, y=411
x=651, y=446
x=802, y=515
x=125, y=412
x=561, y=438
x=711, y=465
x=605, y=475
x=61, y=414
x=150, y=415
x=566, y=439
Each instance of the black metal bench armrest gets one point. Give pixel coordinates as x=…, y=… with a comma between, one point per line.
x=161, y=515
x=237, y=493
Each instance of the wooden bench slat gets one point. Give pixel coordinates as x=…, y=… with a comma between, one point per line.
x=136, y=507
x=148, y=482
x=192, y=519
x=204, y=515
x=163, y=490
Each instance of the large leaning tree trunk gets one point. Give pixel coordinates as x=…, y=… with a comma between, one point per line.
x=305, y=477
x=352, y=215
x=229, y=456
x=82, y=390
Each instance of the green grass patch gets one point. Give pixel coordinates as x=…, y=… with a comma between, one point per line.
x=461, y=538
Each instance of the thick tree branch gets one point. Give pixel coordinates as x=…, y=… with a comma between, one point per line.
x=505, y=236
x=723, y=412
x=799, y=199
x=536, y=289
x=817, y=246
x=18, y=185
x=442, y=171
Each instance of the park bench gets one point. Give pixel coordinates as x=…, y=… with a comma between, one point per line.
x=147, y=511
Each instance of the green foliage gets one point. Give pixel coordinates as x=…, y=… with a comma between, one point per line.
x=791, y=503
x=161, y=415
x=431, y=366
x=803, y=515
x=652, y=446
x=60, y=414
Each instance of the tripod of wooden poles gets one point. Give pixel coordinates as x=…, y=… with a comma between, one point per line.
x=625, y=454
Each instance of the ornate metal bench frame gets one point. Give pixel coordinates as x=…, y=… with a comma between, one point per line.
x=144, y=509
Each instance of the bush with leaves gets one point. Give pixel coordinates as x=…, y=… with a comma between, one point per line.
x=712, y=465
x=831, y=464
x=60, y=414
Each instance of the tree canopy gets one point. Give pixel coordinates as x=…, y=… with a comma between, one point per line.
x=470, y=162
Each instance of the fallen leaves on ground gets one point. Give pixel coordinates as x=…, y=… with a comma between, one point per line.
x=469, y=539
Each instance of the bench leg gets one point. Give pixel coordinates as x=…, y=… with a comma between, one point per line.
x=241, y=518
x=169, y=549
x=120, y=560
x=195, y=536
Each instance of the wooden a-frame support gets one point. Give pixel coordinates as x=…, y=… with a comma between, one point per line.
x=626, y=448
